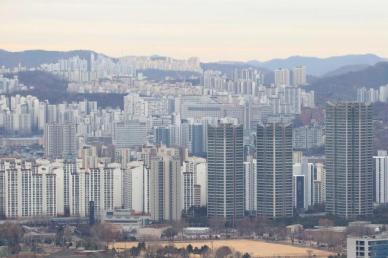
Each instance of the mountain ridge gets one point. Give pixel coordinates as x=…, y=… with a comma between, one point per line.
x=316, y=66
x=344, y=86
x=34, y=58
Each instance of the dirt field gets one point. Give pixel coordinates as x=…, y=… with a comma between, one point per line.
x=254, y=248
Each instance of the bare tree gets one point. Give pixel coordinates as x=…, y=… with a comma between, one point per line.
x=105, y=232
x=218, y=224
x=12, y=234
x=223, y=252
x=246, y=226
x=152, y=251
x=179, y=226
x=169, y=233
x=261, y=225
x=359, y=230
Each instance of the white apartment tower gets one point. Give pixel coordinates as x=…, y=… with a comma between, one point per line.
x=27, y=189
x=250, y=167
x=136, y=187
x=299, y=76
x=60, y=140
x=194, y=175
x=381, y=177
x=282, y=77
x=165, y=193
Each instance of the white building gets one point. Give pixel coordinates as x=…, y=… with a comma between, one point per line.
x=250, y=167
x=282, y=77
x=165, y=185
x=367, y=247
x=381, y=175
x=43, y=188
x=315, y=181
x=309, y=184
x=60, y=140
x=299, y=76
x=383, y=93
x=28, y=189
x=368, y=95
x=194, y=182
x=136, y=187
x=308, y=98
x=135, y=106
x=129, y=134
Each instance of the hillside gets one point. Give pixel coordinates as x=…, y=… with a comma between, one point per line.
x=33, y=58
x=346, y=69
x=315, y=66
x=46, y=86
x=344, y=86
x=319, y=66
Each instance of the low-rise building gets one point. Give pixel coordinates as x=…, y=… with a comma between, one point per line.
x=125, y=218
x=367, y=247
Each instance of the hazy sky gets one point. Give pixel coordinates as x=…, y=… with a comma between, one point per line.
x=210, y=29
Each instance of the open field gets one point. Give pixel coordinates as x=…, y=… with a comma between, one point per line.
x=253, y=247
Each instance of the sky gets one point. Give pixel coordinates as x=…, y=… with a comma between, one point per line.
x=213, y=30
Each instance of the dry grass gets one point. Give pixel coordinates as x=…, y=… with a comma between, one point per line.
x=253, y=247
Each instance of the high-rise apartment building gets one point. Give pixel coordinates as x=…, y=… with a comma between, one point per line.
x=197, y=144
x=315, y=181
x=101, y=184
x=226, y=171
x=381, y=177
x=349, y=167
x=60, y=140
x=282, y=77
x=250, y=168
x=299, y=76
x=165, y=191
x=274, y=170
x=27, y=190
x=162, y=135
x=194, y=176
x=129, y=134
x=299, y=190
x=135, y=186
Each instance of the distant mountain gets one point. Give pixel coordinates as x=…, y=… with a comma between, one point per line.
x=34, y=58
x=344, y=86
x=346, y=69
x=319, y=66
x=316, y=67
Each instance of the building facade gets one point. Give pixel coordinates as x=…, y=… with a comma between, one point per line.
x=381, y=177
x=274, y=170
x=367, y=247
x=165, y=191
x=60, y=140
x=349, y=168
x=226, y=171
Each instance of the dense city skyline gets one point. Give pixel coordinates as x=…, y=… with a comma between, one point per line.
x=216, y=30
x=148, y=143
